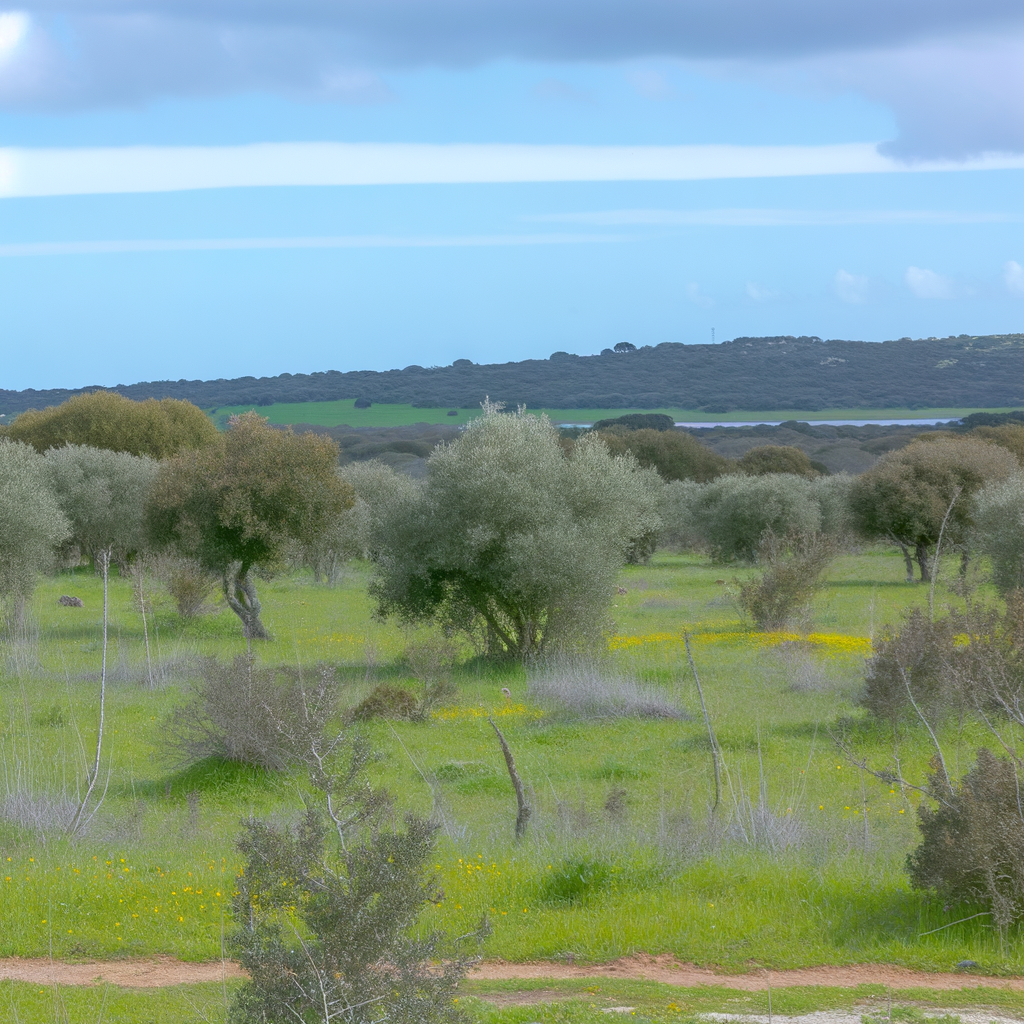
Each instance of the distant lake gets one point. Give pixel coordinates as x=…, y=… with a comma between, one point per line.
x=813, y=423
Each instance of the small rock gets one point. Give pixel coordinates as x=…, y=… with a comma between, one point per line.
x=70, y=602
x=966, y=965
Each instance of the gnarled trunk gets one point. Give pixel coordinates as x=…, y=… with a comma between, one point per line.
x=240, y=594
x=907, y=559
x=922, y=561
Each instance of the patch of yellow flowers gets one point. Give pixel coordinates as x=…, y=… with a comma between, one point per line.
x=831, y=643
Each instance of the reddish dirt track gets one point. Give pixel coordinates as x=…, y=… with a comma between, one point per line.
x=159, y=972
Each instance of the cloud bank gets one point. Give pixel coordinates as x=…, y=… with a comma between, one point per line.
x=55, y=172
x=951, y=70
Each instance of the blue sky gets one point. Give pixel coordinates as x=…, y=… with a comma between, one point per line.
x=572, y=175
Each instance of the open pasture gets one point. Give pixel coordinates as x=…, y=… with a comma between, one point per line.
x=343, y=411
x=801, y=864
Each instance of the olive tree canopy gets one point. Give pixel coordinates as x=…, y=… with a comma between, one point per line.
x=675, y=454
x=235, y=504
x=909, y=493
x=510, y=534
x=999, y=530
x=103, y=494
x=105, y=419
x=31, y=522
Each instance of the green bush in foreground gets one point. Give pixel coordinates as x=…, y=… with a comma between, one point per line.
x=324, y=911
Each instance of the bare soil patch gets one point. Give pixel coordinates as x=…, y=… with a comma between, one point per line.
x=668, y=970
x=161, y=971
x=155, y=972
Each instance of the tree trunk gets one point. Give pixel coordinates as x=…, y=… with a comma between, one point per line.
x=908, y=561
x=922, y=561
x=240, y=594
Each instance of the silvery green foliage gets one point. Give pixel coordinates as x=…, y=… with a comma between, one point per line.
x=377, y=487
x=832, y=493
x=681, y=525
x=31, y=521
x=732, y=514
x=103, y=495
x=999, y=530
x=508, y=533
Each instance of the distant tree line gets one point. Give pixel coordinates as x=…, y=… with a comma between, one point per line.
x=746, y=373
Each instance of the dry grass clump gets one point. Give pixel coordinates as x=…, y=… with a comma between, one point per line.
x=590, y=690
x=42, y=814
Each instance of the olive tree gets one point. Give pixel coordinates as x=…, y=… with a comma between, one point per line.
x=510, y=533
x=235, y=505
x=732, y=514
x=675, y=454
x=913, y=495
x=31, y=524
x=999, y=530
x=103, y=494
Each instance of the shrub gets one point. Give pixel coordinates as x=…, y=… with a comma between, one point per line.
x=246, y=713
x=776, y=458
x=675, y=454
x=733, y=513
x=915, y=655
x=323, y=926
x=970, y=660
x=188, y=583
x=972, y=843
x=105, y=419
x=386, y=701
x=793, y=570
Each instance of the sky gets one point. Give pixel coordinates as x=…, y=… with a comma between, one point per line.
x=219, y=188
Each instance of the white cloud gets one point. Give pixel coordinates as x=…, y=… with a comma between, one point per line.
x=759, y=293
x=852, y=288
x=926, y=284
x=50, y=172
x=144, y=245
x=771, y=218
x=698, y=297
x=1013, y=278
x=14, y=26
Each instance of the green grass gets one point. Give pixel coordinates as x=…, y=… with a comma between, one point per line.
x=156, y=871
x=332, y=414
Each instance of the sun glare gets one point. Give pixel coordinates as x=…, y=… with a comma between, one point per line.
x=14, y=26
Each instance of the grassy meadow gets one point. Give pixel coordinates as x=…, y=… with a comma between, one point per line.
x=801, y=864
x=343, y=411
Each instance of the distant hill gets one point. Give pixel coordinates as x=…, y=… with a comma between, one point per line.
x=745, y=373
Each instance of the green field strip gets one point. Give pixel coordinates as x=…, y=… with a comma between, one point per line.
x=343, y=412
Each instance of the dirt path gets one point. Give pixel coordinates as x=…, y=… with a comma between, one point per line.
x=157, y=972
x=668, y=970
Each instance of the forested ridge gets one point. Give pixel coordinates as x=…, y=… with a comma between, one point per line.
x=745, y=373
